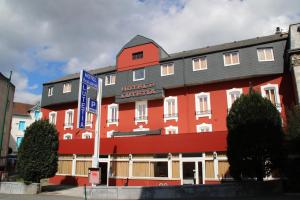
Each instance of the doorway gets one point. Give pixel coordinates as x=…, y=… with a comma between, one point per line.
x=103, y=167
x=192, y=172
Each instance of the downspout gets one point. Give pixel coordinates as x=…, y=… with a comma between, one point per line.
x=5, y=109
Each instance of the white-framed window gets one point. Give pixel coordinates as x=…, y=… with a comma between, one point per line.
x=271, y=92
x=204, y=128
x=86, y=135
x=140, y=128
x=67, y=87
x=200, y=63
x=50, y=91
x=170, y=108
x=109, y=134
x=202, y=103
x=52, y=117
x=69, y=118
x=113, y=114
x=110, y=79
x=171, y=130
x=89, y=119
x=141, y=111
x=231, y=58
x=139, y=75
x=232, y=95
x=68, y=136
x=167, y=69
x=265, y=54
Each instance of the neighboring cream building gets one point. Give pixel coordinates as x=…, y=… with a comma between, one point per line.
x=23, y=116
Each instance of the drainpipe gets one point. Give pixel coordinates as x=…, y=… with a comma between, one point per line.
x=5, y=109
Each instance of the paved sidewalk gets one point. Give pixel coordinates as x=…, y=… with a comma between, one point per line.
x=63, y=190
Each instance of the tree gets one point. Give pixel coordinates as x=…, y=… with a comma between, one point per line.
x=255, y=137
x=37, y=155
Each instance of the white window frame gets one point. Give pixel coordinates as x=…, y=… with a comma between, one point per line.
x=170, y=128
x=50, y=116
x=277, y=97
x=109, y=133
x=69, y=124
x=110, y=83
x=228, y=92
x=166, y=108
x=50, y=91
x=199, y=58
x=137, y=103
x=197, y=104
x=167, y=65
x=134, y=79
x=264, y=49
x=199, y=126
x=65, y=87
x=83, y=136
x=109, y=114
x=68, y=134
x=238, y=53
x=87, y=123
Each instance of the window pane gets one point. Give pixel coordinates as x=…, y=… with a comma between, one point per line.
x=139, y=74
x=269, y=54
x=171, y=69
x=227, y=59
x=261, y=55
x=196, y=64
x=203, y=63
x=164, y=70
x=235, y=58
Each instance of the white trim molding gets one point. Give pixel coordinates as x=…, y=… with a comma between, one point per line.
x=228, y=94
x=138, y=118
x=276, y=90
x=204, y=113
x=199, y=127
x=69, y=124
x=109, y=133
x=52, y=120
x=140, y=128
x=67, y=135
x=86, y=135
x=109, y=114
x=174, y=114
x=170, y=129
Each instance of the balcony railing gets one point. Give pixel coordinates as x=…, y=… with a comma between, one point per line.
x=203, y=112
x=112, y=120
x=69, y=124
x=141, y=118
x=173, y=115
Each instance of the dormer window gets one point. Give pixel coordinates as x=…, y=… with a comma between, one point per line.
x=138, y=74
x=137, y=55
x=67, y=87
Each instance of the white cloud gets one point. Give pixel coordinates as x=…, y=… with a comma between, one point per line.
x=89, y=34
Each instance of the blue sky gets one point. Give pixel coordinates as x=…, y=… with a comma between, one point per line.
x=44, y=40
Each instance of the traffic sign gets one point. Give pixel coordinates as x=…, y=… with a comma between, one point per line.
x=89, y=79
x=92, y=106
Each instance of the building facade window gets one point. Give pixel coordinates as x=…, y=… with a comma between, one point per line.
x=50, y=91
x=67, y=87
x=69, y=118
x=19, y=141
x=110, y=79
x=86, y=135
x=89, y=119
x=171, y=130
x=22, y=126
x=199, y=63
x=170, y=108
x=167, y=69
x=137, y=55
x=265, y=54
x=232, y=95
x=204, y=128
x=68, y=136
x=271, y=92
x=113, y=114
x=52, y=117
x=231, y=58
x=141, y=111
x=37, y=115
x=139, y=75
x=202, y=103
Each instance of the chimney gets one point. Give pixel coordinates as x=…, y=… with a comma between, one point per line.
x=278, y=30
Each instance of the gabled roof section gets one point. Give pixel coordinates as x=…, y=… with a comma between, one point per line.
x=140, y=40
x=21, y=108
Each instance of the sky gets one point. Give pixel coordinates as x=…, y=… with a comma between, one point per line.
x=42, y=40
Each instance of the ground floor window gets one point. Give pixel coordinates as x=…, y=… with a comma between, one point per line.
x=150, y=169
x=82, y=167
x=64, y=167
x=119, y=168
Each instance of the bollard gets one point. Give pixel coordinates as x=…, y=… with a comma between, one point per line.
x=85, y=192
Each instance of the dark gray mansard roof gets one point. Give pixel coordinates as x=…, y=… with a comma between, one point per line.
x=139, y=40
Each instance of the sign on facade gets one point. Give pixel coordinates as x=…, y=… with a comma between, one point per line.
x=86, y=80
x=92, y=107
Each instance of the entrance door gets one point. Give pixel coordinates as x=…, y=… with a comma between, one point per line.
x=103, y=167
x=188, y=172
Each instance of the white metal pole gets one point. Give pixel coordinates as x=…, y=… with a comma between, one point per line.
x=95, y=162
